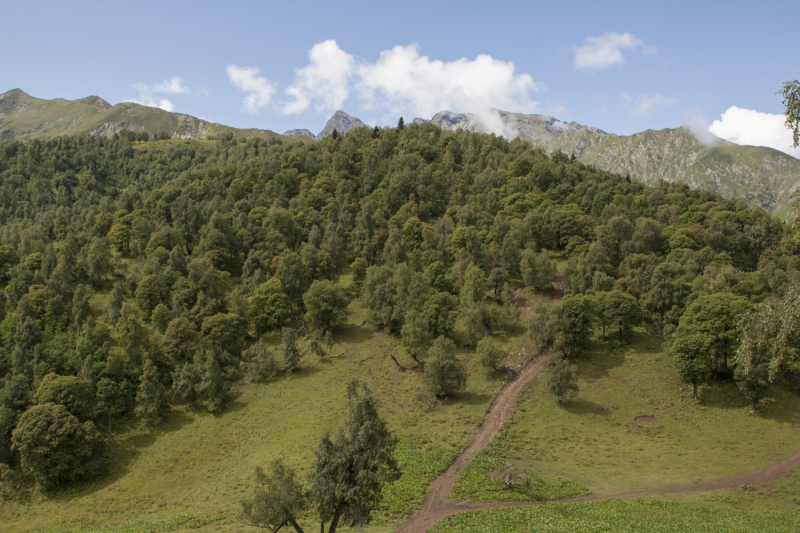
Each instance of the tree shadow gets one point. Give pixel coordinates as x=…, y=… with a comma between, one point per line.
x=582, y=406
x=467, y=398
x=354, y=335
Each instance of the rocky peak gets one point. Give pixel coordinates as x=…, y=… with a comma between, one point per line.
x=341, y=122
x=299, y=133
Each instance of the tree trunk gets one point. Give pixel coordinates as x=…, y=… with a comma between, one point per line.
x=695, y=390
x=334, y=522
x=755, y=404
x=279, y=527
x=296, y=526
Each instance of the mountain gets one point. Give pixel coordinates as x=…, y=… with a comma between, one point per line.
x=24, y=117
x=759, y=175
x=341, y=122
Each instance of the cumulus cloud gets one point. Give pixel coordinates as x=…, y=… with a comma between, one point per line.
x=749, y=127
x=325, y=81
x=404, y=81
x=606, y=51
x=696, y=123
x=148, y=94
x=642, y=104
x=258, y=88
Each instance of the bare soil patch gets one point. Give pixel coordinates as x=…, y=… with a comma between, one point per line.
x=645, y=420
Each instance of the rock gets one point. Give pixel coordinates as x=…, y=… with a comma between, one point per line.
x=299, y=133
x=341, y=122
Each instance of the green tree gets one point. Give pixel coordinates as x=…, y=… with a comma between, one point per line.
x=276, y=499
x=620, y=309
x=537, y=269
x=560, y=377
x=440, y=313
x=325, y=305
x=291, y=355
x=444, y=373
x=692, y=360
x=259, y=363
x=151, y=398
x=161, y=318
x=754, y=384
x=113, y=398
x=55, y=447
x=98, y=260
x=474, y=286
x=415, y=335
x=71, y=392
x=179, y=340
x=270, y=307
x=791, y=105
x=490, y=355
x=351, y=468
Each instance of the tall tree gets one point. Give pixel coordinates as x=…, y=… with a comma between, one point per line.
x=444, y=373
x=352, y=466
x=276, y=500
x=791, y=105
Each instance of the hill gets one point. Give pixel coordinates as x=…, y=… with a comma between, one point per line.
x=24, y=117
x=761, y=176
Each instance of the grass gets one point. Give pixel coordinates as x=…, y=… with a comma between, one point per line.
x=481, y=480
x=617, y=516
x=594, y=438
x=202, y=464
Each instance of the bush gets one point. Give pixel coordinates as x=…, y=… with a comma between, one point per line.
x=55, y=447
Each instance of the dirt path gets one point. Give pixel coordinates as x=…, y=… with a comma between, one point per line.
x=436, y=502
x=437, y=506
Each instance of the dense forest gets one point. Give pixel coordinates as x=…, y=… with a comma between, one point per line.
x=139, y=272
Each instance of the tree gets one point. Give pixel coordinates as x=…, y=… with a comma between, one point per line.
x=489, y=354
x=325, y=305
x=689, y=351
x=98, y=260
x=179, y=340
x=151, y=398
x=791, y=106
x=444, y=373
x=622, y=309
x=259, y=363
x=474, y=287
x=351, y=468
x=73, y=393
x=112, y=398
x=754, y=383
x=276, y=499
x=291, y=355
x=161, y=318
x=537, y=268
x=560, y=377
x=55, y=447
x=440, y=313
x=416, y=336
x=400, y=123
x=271, y=308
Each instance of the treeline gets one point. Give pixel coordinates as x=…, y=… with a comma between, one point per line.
x=138, y=274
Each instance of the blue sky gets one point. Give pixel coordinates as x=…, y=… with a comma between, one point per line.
x=624, y=67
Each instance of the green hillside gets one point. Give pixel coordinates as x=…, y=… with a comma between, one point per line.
x=177, y=312
x=23, y=117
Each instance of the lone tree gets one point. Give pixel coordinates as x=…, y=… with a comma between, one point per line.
x=276, y=499
x=325, y=305
x=352, y=466
x=444, y=373
x=560, y=377
x=489, y=354
x=55, y=447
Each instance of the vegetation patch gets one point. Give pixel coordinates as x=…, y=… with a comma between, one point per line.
x=618, y=516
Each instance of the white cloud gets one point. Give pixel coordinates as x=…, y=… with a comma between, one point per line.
x=325, y=81
x=642, y=104
x=258, y=88
x=749, y=127
x=606, y=51
x=402, y=81
x=147, y=93
x=696, y=123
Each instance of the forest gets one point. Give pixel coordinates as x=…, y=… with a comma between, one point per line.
x=141, y=272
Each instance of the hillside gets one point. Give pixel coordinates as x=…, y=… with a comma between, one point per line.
x=762, y=176
x=24, y=117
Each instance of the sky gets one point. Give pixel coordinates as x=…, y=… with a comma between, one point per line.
x=623, y=67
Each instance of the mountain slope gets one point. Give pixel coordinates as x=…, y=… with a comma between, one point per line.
x=759, y=175
x=24, y=117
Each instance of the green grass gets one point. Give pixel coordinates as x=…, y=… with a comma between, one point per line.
x=618, y=517
x=186, y=521
x=480, y=480
x=595, y=440
x=202, y=464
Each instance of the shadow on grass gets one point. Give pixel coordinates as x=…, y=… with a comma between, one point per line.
x=582, y=406
x=468, y=398
x=355, y=335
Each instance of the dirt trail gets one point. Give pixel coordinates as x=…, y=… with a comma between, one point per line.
x=436, y=501
x=437, y=506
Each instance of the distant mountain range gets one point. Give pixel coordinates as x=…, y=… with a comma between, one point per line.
x=761, y=176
